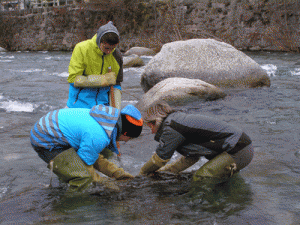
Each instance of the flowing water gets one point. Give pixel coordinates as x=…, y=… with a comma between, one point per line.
x=265, y=192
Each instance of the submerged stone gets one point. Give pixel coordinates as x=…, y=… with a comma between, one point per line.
x=139, y=51
x=132, y=61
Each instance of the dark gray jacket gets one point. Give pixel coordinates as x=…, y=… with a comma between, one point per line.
x=195, y=135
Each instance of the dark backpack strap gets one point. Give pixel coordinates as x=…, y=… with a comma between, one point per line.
x=118, y=56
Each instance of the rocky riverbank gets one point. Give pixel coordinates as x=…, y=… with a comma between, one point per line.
x=269, y=25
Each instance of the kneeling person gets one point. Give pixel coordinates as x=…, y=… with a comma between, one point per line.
x=193, y=135
x=70, y=141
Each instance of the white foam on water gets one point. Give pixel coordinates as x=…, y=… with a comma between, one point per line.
x=29, y=70
x=12, y=156
x=131, y=102
x=270, y=69
x=3, y=190
x=135, y=69
x=32, y=70
x=147, y=56
x=6, y=60
x=15, y=106
x=7, y=57
x=63, y=74
x=296, y=72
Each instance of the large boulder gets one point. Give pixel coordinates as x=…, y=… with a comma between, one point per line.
x=132, y=61
x=140, y=51
x=212, y=61
x=179, y=91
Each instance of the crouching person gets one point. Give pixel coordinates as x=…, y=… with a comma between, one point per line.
x=193, y=135
x=70, y=140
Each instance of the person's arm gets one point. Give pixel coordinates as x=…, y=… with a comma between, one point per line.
x=95, y=81
x=76, y=66
x=169, y=141
x=78, y=77
x=91, y=144
x=118, y=56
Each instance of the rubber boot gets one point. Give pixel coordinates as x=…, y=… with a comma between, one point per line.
x=69, y=167
x=154, y=163
x=102, y=180
x=115, y=96
x=222, y=167
x=179, y=165
x=107, y=153
x=95, y=81
x=110, y=169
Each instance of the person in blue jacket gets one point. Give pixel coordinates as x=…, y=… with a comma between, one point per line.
x=227, y=148
x=70, y=141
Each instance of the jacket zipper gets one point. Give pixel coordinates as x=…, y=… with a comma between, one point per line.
x=77, y=96
x=98, y=89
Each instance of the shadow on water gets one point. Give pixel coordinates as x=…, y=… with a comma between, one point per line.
x=224, y=198
x=158, y=199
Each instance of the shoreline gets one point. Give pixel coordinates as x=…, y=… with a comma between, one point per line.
x=253, y=26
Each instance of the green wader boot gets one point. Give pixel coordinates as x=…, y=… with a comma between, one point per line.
x=107, y=154
x=69, y=167
x=110, y=169
x=222, y=167
x=153, y=164
x=106, y=182
x=179, y=165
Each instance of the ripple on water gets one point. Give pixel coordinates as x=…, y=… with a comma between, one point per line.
x=3, y=190
x=17, y=106
x=296, y=72
x=297, y=154
x=10, y=157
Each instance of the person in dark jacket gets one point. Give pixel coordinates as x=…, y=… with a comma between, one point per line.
x=70, y=141
x=194, y=135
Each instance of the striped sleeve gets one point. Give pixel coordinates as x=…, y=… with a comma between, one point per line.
x=46, y=132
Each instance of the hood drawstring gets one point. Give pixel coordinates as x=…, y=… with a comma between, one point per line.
x=98, y=89
x=51, y=172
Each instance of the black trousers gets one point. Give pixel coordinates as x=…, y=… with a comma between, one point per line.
x=46, y=154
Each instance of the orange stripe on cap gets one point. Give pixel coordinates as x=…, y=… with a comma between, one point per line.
x=134, y=121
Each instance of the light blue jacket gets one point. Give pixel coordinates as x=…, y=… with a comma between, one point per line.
x=88, y=131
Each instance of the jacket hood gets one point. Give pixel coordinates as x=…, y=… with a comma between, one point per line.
x=132, y=111
x=109, y=27
x=108, y=118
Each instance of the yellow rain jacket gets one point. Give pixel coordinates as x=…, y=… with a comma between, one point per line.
x=88, y=59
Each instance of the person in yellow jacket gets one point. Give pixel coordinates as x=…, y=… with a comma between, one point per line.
x=96, y=70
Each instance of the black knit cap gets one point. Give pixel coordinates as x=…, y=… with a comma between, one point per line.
x=130, y=126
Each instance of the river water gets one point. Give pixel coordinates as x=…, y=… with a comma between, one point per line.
x=265, y=192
